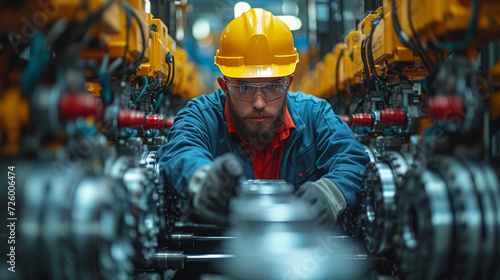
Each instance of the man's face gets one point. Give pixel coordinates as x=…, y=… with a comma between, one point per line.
x=257, y=119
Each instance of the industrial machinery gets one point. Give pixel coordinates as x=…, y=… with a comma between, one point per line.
x=426, y=110
x=85, y=93
x=88, y=91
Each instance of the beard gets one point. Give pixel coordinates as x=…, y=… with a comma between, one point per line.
x=257, y=133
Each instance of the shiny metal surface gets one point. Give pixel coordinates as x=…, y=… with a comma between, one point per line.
x=169, y=260
x=494, y=191
x=213, y=238
x=277, y=238
x=181, y=240
x=78, y=222
x=401, y=164
x=265, y=192
x=372, y=153
x=207, y=257
x=142, y=194
x=488, y=228
x=380, y=208
x=458, y=77
x=467, y=211
x=426, y=220
x=489, y=246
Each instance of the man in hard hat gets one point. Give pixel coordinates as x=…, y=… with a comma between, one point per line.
x=254, y=128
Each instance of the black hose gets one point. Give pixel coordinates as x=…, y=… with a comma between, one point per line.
x=405, y=39
x=143, y=37
x=171, y=72
x=365, y=63
x=371, y=62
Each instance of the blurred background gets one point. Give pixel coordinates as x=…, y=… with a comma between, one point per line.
x=316, y=26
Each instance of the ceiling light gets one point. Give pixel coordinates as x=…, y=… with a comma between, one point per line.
x=201, y=29
x=293, y=22
x=240, y=8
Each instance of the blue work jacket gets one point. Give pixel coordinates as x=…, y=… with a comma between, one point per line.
x=321, y=145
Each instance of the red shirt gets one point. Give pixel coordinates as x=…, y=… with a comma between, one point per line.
x=265, y=166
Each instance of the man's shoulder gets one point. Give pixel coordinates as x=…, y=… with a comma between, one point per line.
x=303, y=101
x=212, y=101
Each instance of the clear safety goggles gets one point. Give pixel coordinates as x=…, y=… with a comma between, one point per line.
x=247, y=91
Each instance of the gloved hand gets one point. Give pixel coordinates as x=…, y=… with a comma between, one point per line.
x=212, y=186
x=326, y=198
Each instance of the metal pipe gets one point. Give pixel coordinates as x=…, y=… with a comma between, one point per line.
x=165, y=260
x=185, y=225
x=207, y=257
x=181, y=240
x=357, y=257
x=213, y=238
x=341, y=237
x=186, y=240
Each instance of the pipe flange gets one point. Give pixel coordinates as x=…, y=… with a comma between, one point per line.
x=141, y=188
x=468, y=218
x=489, y=246
x=425, y=233
x=379, y=208
x=493, y=185
x=373, y=154
x=401, y=163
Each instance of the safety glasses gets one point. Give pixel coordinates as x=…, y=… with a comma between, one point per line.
x=247, y=91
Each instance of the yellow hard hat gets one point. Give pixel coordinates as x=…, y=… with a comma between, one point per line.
x=256, y=44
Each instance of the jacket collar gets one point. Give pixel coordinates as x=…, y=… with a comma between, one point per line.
x=300, y=126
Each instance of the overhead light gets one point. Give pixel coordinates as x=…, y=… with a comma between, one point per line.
x=201, y=29
x=179, y=31
x=293, y=22
x=240, y=8
x=290, y=8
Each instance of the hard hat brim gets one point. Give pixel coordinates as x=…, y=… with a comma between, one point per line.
x=257, y=71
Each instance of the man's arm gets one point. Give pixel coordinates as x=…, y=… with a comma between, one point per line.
x=343, y=160
x=187, y=150
x=339, y=154
x=188, y=164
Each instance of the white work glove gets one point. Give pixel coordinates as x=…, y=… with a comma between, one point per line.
x=326, y=198
x=212, y=186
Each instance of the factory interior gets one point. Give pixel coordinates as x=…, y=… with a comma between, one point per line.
x=89, y=90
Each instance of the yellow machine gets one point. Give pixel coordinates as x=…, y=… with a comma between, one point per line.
x=161, y=45
x=347, y=77
x=452, y=24
x=326, y=79
x=194, y=88
x=14, y=116
x=338, y=52
x=494, y=106
x=388, y=50
x=94, y=88
x=180, y=78
x=39, y=15
x=128, y=42
x=115, y=30
x=494, y=101
x=301, y=70
x=364, y=28
x=317, y=75
x=130, y=39
x=305, y=83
